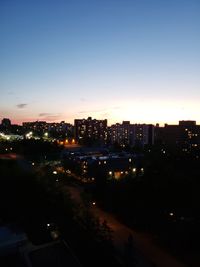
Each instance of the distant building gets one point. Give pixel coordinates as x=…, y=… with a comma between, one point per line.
x=110, y=166
x=61, y=129
x=115, y=166
x=120, y=133
x=187, y=123
x=132, y=134
x=38, y=127
x=6, y=122
x=6, y=125
x=185, y=135
x=90, y=130
x=54, y=129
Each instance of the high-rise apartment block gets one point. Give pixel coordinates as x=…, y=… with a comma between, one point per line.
x=90, y=129
x=132, y=134
x=185, y=135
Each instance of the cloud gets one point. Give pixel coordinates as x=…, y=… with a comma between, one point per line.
x=44, y=114
x=20, y=106
x=82, y=99
x=49, y=116
x=82, y=112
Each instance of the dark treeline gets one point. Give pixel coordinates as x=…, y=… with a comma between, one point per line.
x=31, y=147
x=165, y=200
x=32, y=199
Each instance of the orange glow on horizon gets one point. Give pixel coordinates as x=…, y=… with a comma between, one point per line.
x=147, y=111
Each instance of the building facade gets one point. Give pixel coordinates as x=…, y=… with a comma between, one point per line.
x=132, y=134
x=89, y=129
x=185, y=135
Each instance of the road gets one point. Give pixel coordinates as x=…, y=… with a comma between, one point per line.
x=145, y=245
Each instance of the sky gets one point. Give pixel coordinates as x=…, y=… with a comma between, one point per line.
x=136, y=60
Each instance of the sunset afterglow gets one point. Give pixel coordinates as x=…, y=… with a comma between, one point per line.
x=120, y=60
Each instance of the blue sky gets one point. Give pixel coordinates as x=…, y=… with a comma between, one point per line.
x=135, y=60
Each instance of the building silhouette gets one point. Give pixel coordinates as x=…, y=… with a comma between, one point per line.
x=6, y=125
x=132, y=134
x=88, y=131
x=185, y=135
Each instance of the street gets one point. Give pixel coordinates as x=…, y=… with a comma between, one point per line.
x=146, y=251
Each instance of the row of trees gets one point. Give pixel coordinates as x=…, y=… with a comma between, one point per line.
x=33, y=199
x=165, y=200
